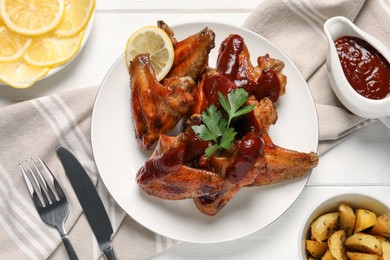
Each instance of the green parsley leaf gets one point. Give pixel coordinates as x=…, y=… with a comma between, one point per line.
x=210, y=150
x=234, y=101
x=203, y=132
x=213, y=120
x=228, y=138
x=216, y=127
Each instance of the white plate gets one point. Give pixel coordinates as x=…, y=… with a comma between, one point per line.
x=54, y=70
x=118, y=156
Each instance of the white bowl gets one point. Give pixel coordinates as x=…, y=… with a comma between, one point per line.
x=355, y=200
x=335, y=28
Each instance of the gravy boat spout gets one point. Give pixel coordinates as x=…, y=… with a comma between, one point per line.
x=335, y=28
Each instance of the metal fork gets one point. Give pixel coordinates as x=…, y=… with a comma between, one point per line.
x=52, y=208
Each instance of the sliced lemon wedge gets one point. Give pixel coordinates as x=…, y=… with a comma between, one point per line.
x=156, y=42
x=18, y=74
x=31, y=17
x=12, y=45
x=50, y=51
x=77, y=14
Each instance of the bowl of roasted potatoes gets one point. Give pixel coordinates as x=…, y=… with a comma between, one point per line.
x=346, y=226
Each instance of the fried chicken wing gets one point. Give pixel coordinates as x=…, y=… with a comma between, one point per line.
x=283, y=164
x=157, y=107
x=165, y=174
x=264, y=80
x=237, y=170
x=192, y=53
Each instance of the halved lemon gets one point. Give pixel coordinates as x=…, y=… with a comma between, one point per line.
x=50, y=51
x=12, y=45
x=19, y=74
x=156, y=42
x=31, y=17
x=77, y=14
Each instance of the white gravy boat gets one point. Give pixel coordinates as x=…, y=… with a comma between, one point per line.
x=335, y=28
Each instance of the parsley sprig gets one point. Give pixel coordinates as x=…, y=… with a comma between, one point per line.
x=216, y=126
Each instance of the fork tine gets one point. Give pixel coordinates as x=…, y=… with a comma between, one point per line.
x=59, y=191
x=45, y=186
x=31, y=189
x=40, y=186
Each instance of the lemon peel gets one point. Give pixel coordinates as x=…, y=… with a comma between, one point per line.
x=155, y=41
x=19, y=74
x=77, y=14
x=50, y=51
x=12, y=45
x=28, y=17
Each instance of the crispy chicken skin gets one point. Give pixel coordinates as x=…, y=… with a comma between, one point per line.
x=192, y=53
x=283, y=164
x=166, y=176
x=211, y=205
x=157, y=107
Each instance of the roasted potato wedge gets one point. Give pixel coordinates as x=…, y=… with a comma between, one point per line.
x=382, y=226
x=335, y=235
x=362, y=256
x=336, y=245
x=324, y=226
x=347, y=219
x=385, y=249
x=364, y=219
x=315, y=248
x=364, y=243
x=328, y=256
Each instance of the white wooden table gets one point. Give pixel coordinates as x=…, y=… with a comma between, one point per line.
x=362, y=163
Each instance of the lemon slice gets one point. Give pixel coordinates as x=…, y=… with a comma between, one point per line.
x=156, y=42
x=18, y=74
x=77, y=14
x=12, y=45
x=29, y=17
x=50, y=51
x=1, y=22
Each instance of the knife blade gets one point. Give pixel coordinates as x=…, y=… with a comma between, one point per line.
x=89, y=200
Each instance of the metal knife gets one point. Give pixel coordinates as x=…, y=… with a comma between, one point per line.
x=89, y=200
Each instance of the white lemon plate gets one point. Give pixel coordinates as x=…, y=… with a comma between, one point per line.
x=54, y=70
x=118, y=156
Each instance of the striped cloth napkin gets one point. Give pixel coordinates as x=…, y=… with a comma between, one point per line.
x=38, y=126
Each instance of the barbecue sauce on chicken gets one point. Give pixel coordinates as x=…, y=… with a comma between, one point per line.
x=250, y=147
x=236, y=69
x=233, y=73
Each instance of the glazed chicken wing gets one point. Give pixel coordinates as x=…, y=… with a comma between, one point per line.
x=283, y=164
x=192, y=53
x=264, y=80
x=238, y=170
x=157, y=107
x=166, y=175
